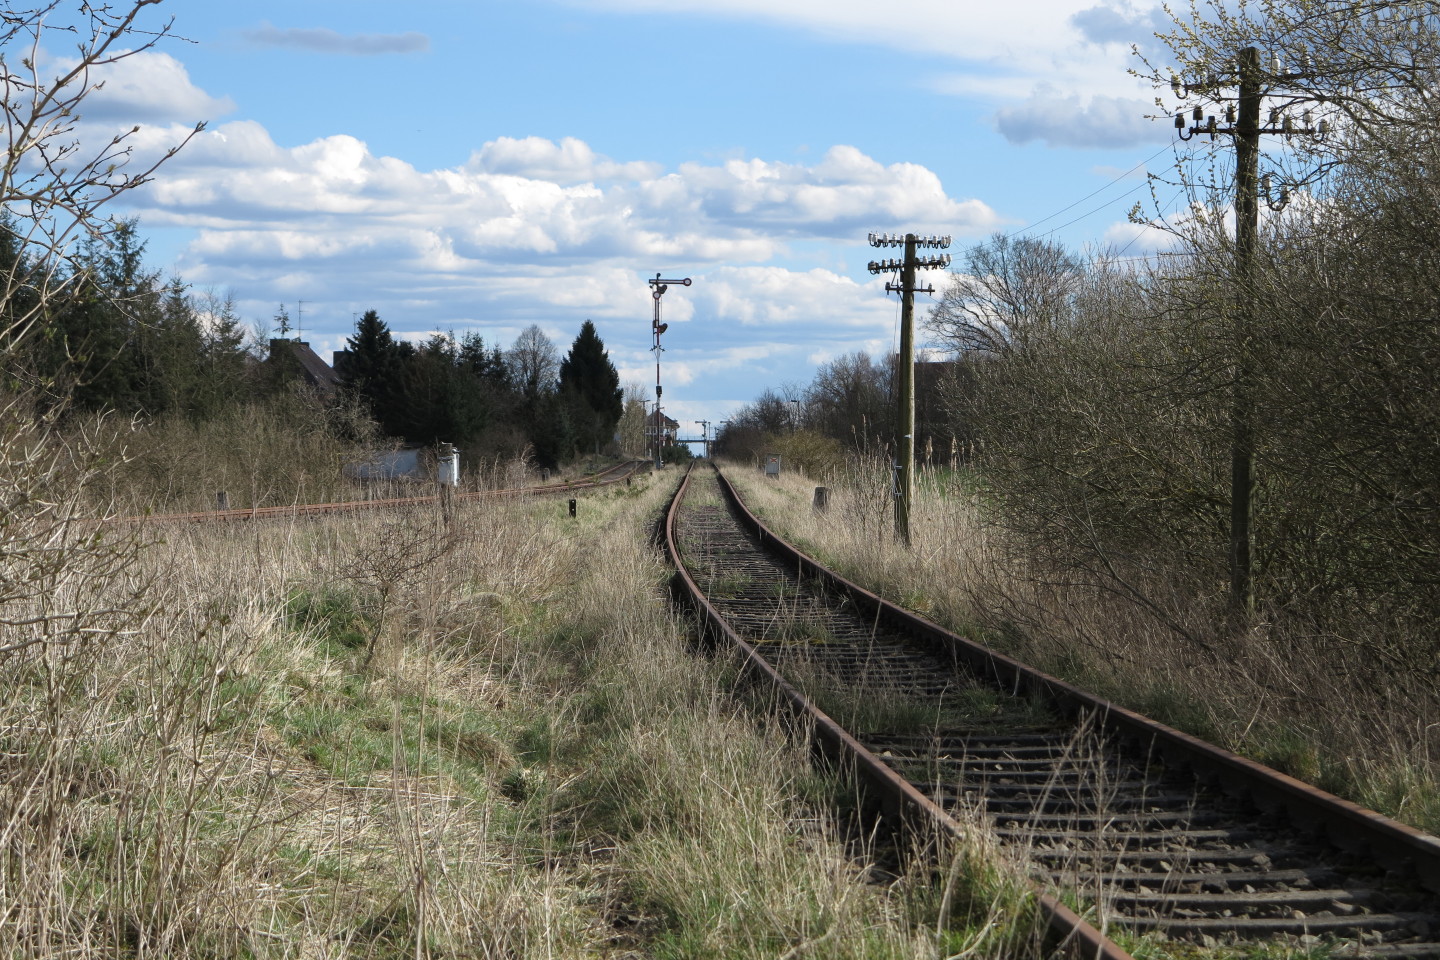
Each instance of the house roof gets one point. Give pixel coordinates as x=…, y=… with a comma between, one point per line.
x=317, y=372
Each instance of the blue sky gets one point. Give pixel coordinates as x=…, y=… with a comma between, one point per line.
x=484, y=165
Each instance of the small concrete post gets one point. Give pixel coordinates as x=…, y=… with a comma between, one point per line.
x=222, y=500
x=447, y=505
x=544, y=474
x=822, y=499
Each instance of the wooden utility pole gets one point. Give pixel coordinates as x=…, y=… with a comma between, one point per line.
x=1242, y=123
x=1242, y=416
x=905, y=411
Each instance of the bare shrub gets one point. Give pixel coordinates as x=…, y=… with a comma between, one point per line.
x=288, y=449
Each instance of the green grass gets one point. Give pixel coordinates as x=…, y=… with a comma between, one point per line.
x=330, y=613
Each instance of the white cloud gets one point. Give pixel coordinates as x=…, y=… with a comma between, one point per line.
x=530, y=230
x=1012, y=56
x=569, y=161
x=689, y=413
x=249, y=197
x=691, y=364
x=931, y=26
x=1122, y=23
x=775, y=297
x=144, y=87
x=1130, y=239
x=1135, y=239
x=844, y=194
x=758, y=324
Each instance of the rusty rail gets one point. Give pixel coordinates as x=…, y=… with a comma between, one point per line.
x=897, y=798
x=601, y=479
x=1347, y=825
x=1302, y=821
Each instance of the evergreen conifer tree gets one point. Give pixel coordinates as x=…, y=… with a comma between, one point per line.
x=590, y=385
x=373, y=368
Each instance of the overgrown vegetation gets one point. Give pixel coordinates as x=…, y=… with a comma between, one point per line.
x=476, y=733
x=400, y=737
x=1260, y=698
x=483, y=735
x=1112, y=413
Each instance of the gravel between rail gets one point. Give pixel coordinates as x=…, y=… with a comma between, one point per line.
x=1144, y=841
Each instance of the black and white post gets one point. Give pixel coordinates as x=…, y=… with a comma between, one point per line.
x=658, y=288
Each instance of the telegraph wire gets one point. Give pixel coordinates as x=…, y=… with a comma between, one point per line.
x=1180, y=193
x=1102, y=189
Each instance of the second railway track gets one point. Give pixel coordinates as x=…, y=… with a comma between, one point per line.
x=1157, y=833
x=610, y=475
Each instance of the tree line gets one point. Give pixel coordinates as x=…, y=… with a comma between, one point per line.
x=848, y=410
x=483, y=398
x=120, y=338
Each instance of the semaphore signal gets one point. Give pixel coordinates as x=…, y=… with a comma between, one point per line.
x=658, y=288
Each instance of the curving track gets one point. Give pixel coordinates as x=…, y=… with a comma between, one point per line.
x=1159, y=833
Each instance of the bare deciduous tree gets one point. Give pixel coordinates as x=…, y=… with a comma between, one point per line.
x=1009, y=291
x=72, y=598
x=56, y=179
x=850, y=398
x=534, y=362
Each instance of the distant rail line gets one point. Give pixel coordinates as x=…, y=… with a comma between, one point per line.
x=1155, y=831
x=604, y=478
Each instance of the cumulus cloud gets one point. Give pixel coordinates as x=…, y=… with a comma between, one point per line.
x=1003, y=31
x=1080, y=44
x=685, y=364
x=145, y=87
x=753, y=326
x=569, y=161
x=845, y=193
x=776, y=297
x=1100, y=121
x=517, y=201
x=325, y=40
x=1137, y=239
x=531, y=230
x=1009, y=55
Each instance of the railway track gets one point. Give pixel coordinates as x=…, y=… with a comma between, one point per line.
x=604, y=478
x=1154, y=831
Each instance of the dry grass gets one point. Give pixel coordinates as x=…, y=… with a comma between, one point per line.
x=1348, y=713
x=278, y=452
x=390, y=735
